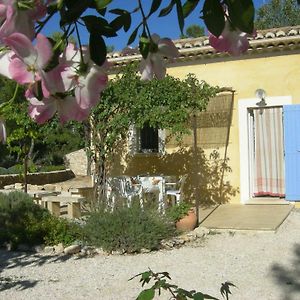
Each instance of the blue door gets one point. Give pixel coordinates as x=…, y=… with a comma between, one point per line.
x=291, y=121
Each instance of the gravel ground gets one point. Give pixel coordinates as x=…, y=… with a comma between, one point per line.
x=263, y=265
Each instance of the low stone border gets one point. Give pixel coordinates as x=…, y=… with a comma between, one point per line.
x=37, y=178
x=192, y=238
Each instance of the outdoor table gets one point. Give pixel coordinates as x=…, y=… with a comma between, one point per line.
x=37, y=196
x=73, y=202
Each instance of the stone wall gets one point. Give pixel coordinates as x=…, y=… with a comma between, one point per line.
x=77, y=162
x=37, y=178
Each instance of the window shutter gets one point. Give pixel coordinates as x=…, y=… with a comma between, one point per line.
x=291, y=117
x=132, y=140
x=161, y=141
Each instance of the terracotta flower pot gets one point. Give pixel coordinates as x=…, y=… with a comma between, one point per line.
x=188, y=222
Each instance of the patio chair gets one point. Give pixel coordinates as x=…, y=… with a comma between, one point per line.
x=153, y=184
x=121, y=187
x=175, y=189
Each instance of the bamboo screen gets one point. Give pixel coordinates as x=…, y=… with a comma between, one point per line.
x=212, y=125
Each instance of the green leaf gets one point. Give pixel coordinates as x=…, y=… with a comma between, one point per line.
x=100, y=4
x=166, y=274
x=101, y=11
x=213, y=15
x=100, y=25
x=180, y=15
x=53, y=8
x=118, y=11
x=117, y=23
x=165, y=11
x=133, y=35
x=146, y=275
x=189, y=6
x=201, y=296
x=198, y=296
x=209, y=297
x=155, y=6
x=127, y=21
x=74, y=11
x=123, y=20
x=147, y=294
x=97, y=48
x=135, y=276
x=144, y=46
x=241, y=14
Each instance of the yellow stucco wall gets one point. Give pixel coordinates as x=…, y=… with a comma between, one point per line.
x=278, y=74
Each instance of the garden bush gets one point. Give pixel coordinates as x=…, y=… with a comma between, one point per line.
x=58, y=230
x=3, y=171
x=19, y=169
x=51, y=168
x=24, y=222
x=178, y=211
x=128, y=229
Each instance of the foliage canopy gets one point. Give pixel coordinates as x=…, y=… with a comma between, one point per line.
x=278, y=13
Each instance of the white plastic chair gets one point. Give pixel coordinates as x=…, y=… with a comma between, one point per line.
x=176, y=190
x=154, y=184
x=122, y=187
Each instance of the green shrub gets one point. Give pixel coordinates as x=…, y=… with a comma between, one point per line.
x=16, y=169
x=178, y=211
x=24, y=222
x=3, y=171
x=20, y=218
x=58, y=230
x=19, y=169
x=127, y=229
x=51, y=168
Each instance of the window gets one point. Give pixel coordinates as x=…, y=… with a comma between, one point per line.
x=146, y=140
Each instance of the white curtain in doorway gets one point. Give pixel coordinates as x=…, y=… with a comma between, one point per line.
x=268, y=152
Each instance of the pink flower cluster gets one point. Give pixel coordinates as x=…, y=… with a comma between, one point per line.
x=71, y=89
x=232, y=41
x=154, y=63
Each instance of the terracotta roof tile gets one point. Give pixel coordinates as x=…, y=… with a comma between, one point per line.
x=276, y=39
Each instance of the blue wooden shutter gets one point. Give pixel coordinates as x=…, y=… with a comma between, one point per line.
x=291, y=121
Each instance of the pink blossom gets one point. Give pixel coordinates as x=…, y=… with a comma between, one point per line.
x=14, y=19
x=71, y=94
x=5, y=57
x=233, y=41
x=89, y=87
x=87, y=84
x=29, y=61
x=64, y=104
x=2, y=131
x=67, y=108
x=154, y=64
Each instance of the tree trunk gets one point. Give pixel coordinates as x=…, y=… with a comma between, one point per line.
x=30, y=153
x=87, y=136
x=195, y=171
x=25, y=172
x=100, y=194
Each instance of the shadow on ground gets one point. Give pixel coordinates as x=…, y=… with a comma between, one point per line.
x=289, y=278
x=10, y=260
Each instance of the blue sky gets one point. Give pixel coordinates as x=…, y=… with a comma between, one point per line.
x=165, y=27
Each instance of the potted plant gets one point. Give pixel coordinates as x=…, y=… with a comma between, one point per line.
x=184, y=216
